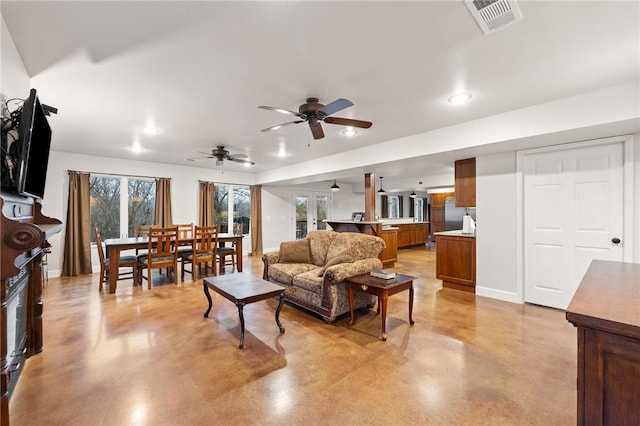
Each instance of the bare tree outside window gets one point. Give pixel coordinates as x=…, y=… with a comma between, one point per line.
x=105, y=206
x=222, y=207
x=107, y=193
x=142, y=200
x=240, y=198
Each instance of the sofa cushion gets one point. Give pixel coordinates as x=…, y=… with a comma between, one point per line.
x=342, y=257
x=320, y=242
x=295, y=252
x=309, y=281
x=284, y=272
x=359, y=246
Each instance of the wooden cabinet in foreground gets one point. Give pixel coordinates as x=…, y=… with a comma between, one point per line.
x=465, y=183
x=606, y=311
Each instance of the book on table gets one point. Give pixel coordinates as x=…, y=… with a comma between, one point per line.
x=382, y=273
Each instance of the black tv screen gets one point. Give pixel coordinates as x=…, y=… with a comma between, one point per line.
x=35, y=142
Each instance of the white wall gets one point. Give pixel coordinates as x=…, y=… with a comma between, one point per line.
x=14, y=80
x=496, y=241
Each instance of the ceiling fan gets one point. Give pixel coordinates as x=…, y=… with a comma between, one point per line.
x=314, y=112
x=221, y=154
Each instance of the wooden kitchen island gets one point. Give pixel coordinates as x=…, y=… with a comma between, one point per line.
x=456, y=260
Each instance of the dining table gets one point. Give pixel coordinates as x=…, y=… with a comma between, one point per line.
x=114, y=246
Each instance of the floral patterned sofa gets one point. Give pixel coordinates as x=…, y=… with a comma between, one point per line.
x=313, y=270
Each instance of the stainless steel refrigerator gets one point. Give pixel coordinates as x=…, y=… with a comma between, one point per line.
x=453, y=215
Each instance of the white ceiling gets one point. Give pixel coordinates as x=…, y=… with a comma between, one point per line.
x=198, y=70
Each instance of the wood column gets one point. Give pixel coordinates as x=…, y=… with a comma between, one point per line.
x=369, y=197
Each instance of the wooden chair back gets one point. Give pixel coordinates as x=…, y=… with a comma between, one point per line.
x=162, y=251
x=99, y=247
x=143, y=230
x=185, y=231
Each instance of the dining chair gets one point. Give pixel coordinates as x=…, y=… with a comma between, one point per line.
x=142, y=231
x=231, y=251
x=162, y=252
x=185, y=232
x=124, y=262
x=205, y=242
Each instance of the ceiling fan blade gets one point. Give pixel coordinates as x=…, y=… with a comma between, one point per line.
x=317, y=131
x=335, y=106
x=348, y=122
x=240, y=160
x=279, y=126
x=280, y=110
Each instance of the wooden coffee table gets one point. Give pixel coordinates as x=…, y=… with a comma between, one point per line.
x=382, y=289
x=243, y=288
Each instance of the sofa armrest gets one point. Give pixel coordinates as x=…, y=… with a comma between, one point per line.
x=269, y=259
x=341, y=271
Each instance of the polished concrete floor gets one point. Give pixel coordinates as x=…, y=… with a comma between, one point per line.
x=140, y=357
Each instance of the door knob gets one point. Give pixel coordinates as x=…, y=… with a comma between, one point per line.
x=615, y=240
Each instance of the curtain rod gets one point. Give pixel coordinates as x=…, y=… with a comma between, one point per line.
x=118, y=175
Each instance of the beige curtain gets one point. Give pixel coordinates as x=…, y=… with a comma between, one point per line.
x=256, y=220
x=206, y=213
x=77, y=243
x=162, y=215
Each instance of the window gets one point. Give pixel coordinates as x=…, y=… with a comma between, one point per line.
x=232, y=204
x=394, y=207
x=419, y=209
x=118, y=204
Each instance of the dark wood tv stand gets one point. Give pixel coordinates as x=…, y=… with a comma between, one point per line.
x=24, y=237
x=606, y=311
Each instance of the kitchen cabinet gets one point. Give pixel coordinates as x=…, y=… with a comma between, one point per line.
x=390, y=254
x=456, y=260
x=465, y=183
x=412, y=234
x=436, y=217
x=605, y=309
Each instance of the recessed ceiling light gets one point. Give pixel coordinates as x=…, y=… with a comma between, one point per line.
x=150, y=129
x=460, y=98
x=350, y=132
x=136, y=148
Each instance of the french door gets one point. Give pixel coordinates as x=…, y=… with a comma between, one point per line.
x=310, y=211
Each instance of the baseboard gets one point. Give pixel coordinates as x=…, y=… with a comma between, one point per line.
x=493, y=293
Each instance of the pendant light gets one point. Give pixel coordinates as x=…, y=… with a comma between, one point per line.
x=381, y=191
x=413, y=194
x=334, y=187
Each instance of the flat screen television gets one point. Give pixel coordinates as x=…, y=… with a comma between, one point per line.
x=34, y=141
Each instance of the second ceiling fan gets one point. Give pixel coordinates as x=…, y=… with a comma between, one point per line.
x=314, y=112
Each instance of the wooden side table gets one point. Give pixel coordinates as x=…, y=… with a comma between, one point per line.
x=382, y=289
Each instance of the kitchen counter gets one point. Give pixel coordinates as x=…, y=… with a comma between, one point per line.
x=456, y=260
x=455, y=233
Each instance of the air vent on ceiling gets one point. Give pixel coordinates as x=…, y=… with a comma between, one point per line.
x=492, y=15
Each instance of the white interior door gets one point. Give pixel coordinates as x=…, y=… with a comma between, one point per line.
x=311, y=209
x=573, y=213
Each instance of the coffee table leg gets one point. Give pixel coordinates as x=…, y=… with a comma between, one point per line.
x=240, y=305
x=411, y=304
x=278, y=313
x=206, y=293
x=384, y=297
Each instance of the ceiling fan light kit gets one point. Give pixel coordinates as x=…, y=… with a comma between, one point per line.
x=313, y=112
x=220, y=154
